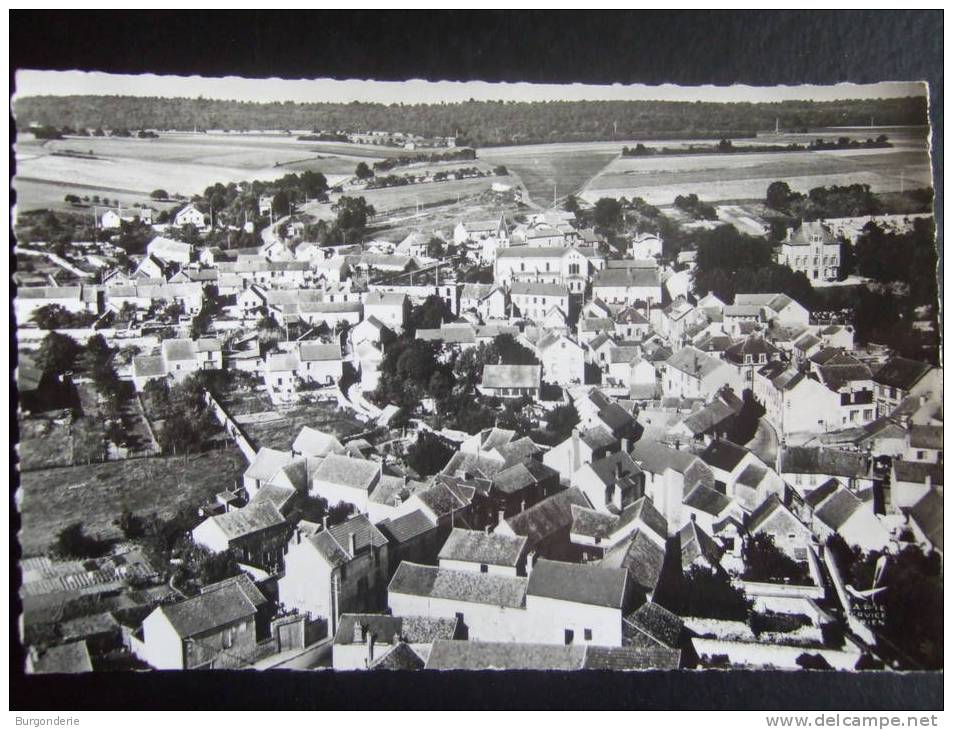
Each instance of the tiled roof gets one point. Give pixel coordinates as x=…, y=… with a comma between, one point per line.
x=917, y=472
x=631, y=658
x=547, y=516
x=591, y=523
x=411, y=629
x=656, y=458
x=486, y=655
x=511, y=376
x=182, y=349
x=801, y=236
x=147, y=366
x=630, y=276
x=458, y=585
x=656, y=622
x=476, y=546
x=641, y=556
x=312, y=442
x=644, y=512
x=723, y=454
x=695, y=544
x=319, y=352
x=900, y=372
x=926, y=437
x=400, y=657
x=267, y=463
x=707, y=500
x=535, y=288
x=816, y=460
x=208, y=611
x=407, y=527
x=71, y=658
x=694, y=362
x=837, y=508
x=254, y=517
x=928, y=514
x=347, y=471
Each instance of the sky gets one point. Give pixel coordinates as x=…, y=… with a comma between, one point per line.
x=62, y=83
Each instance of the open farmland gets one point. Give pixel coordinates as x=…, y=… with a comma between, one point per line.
x=130, y=169
x=565, y=167
x=408, y=196
x=717, y=177
x=97, y=494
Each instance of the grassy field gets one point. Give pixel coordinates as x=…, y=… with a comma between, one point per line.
x=408, y=196
x=180, y=163
x=97, y=494
x=542, y=167
x=716, y=177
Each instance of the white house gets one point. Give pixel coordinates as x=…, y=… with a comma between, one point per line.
x=835, y=509
x=563, y=360
x=390, y=309
x=169, y=249
x=690, y=373
x=627, y=285
x=811, y=249
x=340, y=478
x=189, y=216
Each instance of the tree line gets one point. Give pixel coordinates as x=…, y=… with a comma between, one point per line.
x=474, y=123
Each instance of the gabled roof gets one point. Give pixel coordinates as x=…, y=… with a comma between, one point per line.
x=407, y=527
x=334, y=543
x=476, y=546
x=319, y=352
x=724, y=454
x=208, y=611
x=592, y=523
x=818, y=460
x=267, y=463
x=630, y=276
x=901, y=372
x=312, y=442
x=411, y=629
x=536, y=288
x=926, y=437
x=643, y=511
x=928, y=515
x=694, y=362
x=641, y=556
x=836, y=508
x=511, y=376
x=400, y=657
x=801, y=236
x=254, y=517
x=655, y=622
x=767, y=509
x=656, y=458
x=487, y=655
x=588, y=584
x=707, y=500
x=71, y=658
x=547, y=516
x=458, y=585
x=695, y=544
x=347, y=471
x=917, y=472
x=631, y=658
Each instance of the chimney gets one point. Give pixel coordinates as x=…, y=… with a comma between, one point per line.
x=352, y=544
x=499, y=515
x=358, y=633
x=324, y=522
x=522, y=505
x=297, y=536
x=928, y=482
x=370, y=648
x=618, y=471
x=625, y=445
x=530, y=559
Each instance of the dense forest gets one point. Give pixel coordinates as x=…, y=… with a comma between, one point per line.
x=474, y=122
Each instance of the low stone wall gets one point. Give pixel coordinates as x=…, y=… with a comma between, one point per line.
x=750, y=654
x=232, y=428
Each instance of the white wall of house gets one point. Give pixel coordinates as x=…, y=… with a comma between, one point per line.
x=508, y=570
x=306, y=583
x=210, y=535
x=162, y=646
x=548, y=619
x=483, y=621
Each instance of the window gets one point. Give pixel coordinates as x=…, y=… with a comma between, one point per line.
x=587, y=634
x=921, y=455
x=228, y=637
x=747, y=359
x=568, y=636
x=484, y=568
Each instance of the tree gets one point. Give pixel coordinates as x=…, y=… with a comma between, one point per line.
x=159, y=194
x=57, y=353
x=429, y=314
x=765, y=562
x=281, y=203
x=607, y=214
x=561, y=420
x=435, y=248
x=429, y=453
x=778, y=195
x=709, y=595
x=571, y=204
x=363, y=172
x=133, y=527
x=73, y=542
x=352, y=214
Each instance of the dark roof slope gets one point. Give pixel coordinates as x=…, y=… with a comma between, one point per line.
x=577, y=583
x=901, y=372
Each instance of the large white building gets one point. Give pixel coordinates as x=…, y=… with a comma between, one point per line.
x=812, y=249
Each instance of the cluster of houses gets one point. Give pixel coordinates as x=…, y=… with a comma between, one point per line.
x=518, y=555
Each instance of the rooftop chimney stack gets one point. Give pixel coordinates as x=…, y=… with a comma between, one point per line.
x=358, y=633
x=352, y=544
x=499, y=517
x=324, y=522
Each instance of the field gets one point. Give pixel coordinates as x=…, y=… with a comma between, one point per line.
x=715, y=177
x=408, y=196
x=130, y=169
x=559, y=168
x=97, y=494
x=267, y=427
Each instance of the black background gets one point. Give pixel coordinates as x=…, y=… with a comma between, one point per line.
x=690, y=48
